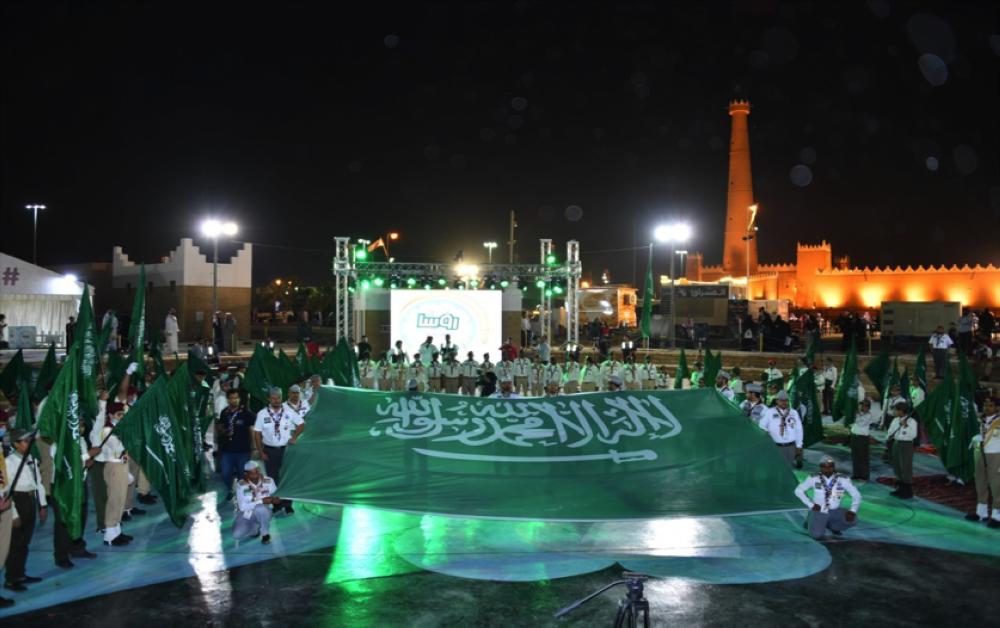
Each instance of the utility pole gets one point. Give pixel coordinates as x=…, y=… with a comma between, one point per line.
x=511, y=242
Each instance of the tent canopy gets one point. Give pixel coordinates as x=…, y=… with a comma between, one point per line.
x=34, y=296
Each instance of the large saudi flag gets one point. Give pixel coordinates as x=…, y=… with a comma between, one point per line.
x=601, y=456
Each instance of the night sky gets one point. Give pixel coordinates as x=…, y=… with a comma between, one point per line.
x=874, y=126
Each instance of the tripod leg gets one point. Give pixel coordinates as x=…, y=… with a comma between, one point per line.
x=620, y=617
x=634, y=616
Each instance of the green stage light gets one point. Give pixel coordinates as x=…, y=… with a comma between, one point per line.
x=474, y=283
x=548, y=292
x=410, y=281
x=504, y=283
x=550, y=259
x=442, y=281
x=540, y=283
x=365, y=284
x=360, y=254
x=379, y=282
x=557, y=289
x=427, y=286
x=393, y=284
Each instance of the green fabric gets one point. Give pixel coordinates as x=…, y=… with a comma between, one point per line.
x=713, y=364
x=682, y=371
x=25, y=419
x=344, y=365
x=920, y=371
x=302, y=361
x=90, y=357
x=964, y=423
x=877, y=369
x=845, y=403
x=152, y=434
x=647, y=299
x=594, y=456
x=265, y=371
x=179, y=397
x=803, y=398
x=14, y=374
x=156, y=354
x=115, y=372
x=289, y=370
x=196, y=364
x=137, y=331
x=935, y=415
x=60, y=422
x=47, y=374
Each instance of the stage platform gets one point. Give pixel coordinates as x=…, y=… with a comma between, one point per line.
x=353, y=566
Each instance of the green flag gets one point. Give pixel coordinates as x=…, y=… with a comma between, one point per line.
x=920, y=371
x=803, y=398
x=47, y=374
x=647, y=298
x=344, y=365
x=152, y=435
x=115, y=372
x=682, y=371
x=137, y=330
x=713, y=364
x=189, y=444
x=25, y=419
x=877, y=369
x=90, y=357
x=156, y=354
x=14, y=374
x=845, y=403
x=265, y=371
x=935, y=415
x=60, y=422
x=196, y=364
x=964, y=423
x=426, y=453
x=302, y=360
x=289, y=370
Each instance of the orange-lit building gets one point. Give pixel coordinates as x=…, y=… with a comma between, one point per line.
x=814, y=281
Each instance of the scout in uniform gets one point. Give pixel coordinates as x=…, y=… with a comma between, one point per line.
x=553, y=373
x=366, y=370
x=902, y=432
x=772, y=374
x=785, y=427
x=630, y=374
x=537, y=378
x=114, y=467
x=7, y=514
x=274, y=430
x=26, y=496
x=986, y=444
x=452, y=373
x=417, y=371
x=434, y=371
x=696, y=375
x=383, y=373
x=648, y=374
x=860, y=434
x=470, y=374
x=754, y=406
x=255, y=496
x=571, y=376
x=722, y=385
x=522, y=373
x=736, y=384
x=828, y=489
x=590, y=376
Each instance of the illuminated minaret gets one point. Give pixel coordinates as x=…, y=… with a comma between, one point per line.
x=739, y=216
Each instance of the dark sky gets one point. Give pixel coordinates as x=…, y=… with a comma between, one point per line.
x=874, y=126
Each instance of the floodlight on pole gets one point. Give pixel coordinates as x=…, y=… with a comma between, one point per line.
x=489, y=247
x=213, y=228
x=34, y=207
x=673, y=234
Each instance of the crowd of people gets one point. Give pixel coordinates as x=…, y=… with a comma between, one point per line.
x=242, y=441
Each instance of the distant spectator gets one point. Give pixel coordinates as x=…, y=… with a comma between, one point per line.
x=70, y=329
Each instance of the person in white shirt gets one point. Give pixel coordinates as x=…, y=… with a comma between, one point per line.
x=254, y=494
x=312, y=390
x=736, y=383
x=295, y=402
x=544, y=351
x=470, y=374
x=901, y=435
x=171, y=330
x=522, y=373
x=986, y=445
x=722, y=385
x=384, y=374
x=754, y=406
x=452, y=373
x=114, y=461
x=433, y=374
x=552, y=390
x=828, y=488
x=571, y=376
x=276, y=428
x=772, y=373
x=648, y=374
x=889, y=407
x=28, y=494
x=506, y=389
x=590, y=376
x=785, y=427
x=537, y=378
x=829, y=381
x=366, y=371
x=630, y=374
x=860, y=433
x=940, y=342
x=427, y=350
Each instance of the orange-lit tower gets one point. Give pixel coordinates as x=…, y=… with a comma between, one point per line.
x=740, y=197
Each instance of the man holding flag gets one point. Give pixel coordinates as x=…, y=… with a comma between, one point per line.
x=986, y=445
x=28, y=495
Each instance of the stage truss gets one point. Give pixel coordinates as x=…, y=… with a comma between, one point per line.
x=350, y=305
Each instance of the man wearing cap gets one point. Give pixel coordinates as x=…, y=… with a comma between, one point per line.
x=754, y=406
x=27, y=494
x=986, y=445
x=276, y=428
x=860, y=433
x=648, y=374
x=295, y=403
x=552, y=390
x=785, y=427
x=902, y=432
x=470, y=374
x=451, y=372
x=828, y=488
x=722, y=385
x=614, y=383
x=506, y=389
x=254, y=493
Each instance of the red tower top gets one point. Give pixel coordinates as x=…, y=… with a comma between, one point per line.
x=739, y=254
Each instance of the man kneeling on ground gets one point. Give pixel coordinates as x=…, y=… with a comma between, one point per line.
x=828, y=491
x=254, y=495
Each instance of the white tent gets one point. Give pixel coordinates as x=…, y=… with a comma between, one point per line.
x=34, y=296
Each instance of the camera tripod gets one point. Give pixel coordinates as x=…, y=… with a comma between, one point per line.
x=629, y=607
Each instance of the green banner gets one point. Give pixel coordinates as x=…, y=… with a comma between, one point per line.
x=586, y=457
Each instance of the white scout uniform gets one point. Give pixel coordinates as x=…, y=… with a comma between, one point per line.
x=828, y=492
x=537, y=379
x=785, y=428
x=571, y=378
x=590, y=378
x=504, y=370
x=631, y=377
x=754, y=410
x=647, y=376
x=116, y=474
x=727, y=392
x=607, y=369
x=452, y=372
x=986, y=445
x=427, y=351
x=383, y=375
x=864, y=421
x=276, y=426
x=772, y=373
x=253, y=516
x=522, y=375
x=433, y=374
x=367, y=369
x=300, y=410
x=470, y=373
x=417, y=371
x=553, y=373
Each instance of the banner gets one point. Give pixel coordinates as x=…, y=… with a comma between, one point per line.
x=585, y=457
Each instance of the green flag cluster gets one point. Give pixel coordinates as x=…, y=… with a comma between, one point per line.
x=14, y=374
x=682, y=371
x=342, y=366
x=47, y=374
x=713, y=364
x=647, y=299
x=845, y=402
x=948, y=414
x=804, y=398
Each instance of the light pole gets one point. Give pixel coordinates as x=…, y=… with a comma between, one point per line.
x=489, y=247
x=673, y=234
x=213, y=229
x=34, y=248
x=751, y=231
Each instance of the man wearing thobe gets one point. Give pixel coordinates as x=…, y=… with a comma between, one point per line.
x=785, y=427
x=28, y=494
x=986, y=445
x=825, y=512
x=275, y=429
x=172, y=331
x=427, y=351
x=940, y=342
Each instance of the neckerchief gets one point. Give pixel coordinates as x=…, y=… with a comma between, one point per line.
x=828, y=489
x=231, y=423
x=276, y=419
x=988, y=426
x=783, y=417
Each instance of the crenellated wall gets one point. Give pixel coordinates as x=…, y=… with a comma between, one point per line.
x=976, y=286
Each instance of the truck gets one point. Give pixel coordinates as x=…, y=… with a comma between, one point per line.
x=903, y=319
